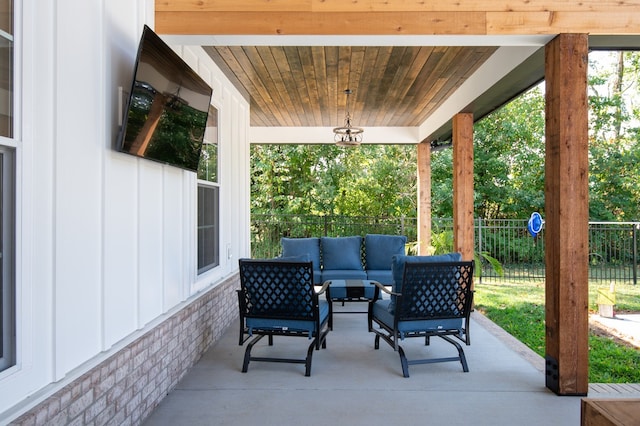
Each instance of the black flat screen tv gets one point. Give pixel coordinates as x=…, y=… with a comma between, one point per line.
x=166, y=110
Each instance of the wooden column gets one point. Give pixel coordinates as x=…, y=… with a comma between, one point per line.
x=567, y=215
x=424, y=198
x=463, y=233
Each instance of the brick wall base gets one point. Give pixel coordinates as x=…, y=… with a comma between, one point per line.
x=126, y=388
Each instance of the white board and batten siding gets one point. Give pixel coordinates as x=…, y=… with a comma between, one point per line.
x=106, y=242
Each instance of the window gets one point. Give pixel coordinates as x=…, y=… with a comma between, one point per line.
x=7, y=191
x=209, y=198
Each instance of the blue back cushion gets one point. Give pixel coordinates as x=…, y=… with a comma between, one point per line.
x=379, y=249
x=292, y=247
x=341, y=253
x=397, y=269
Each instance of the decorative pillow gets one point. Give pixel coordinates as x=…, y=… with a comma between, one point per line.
x=397, y=267
x=302, y=246
x=379, y=249
x=341, y=253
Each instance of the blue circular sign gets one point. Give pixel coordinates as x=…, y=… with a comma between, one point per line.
x=534, y=226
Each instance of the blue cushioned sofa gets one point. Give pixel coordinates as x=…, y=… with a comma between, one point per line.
x=352, y=257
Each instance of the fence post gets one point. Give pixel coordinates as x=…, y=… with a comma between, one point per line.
x=480, y=247
x=635, y=253
x=325, y=225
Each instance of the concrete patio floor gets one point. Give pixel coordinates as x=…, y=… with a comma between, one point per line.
x=353, y=384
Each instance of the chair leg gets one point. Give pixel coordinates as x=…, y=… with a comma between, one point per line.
x=376, y=344
x=463, y=359
x=321, y=341
x=403, y=362
x=247, y=352
x=307, y=364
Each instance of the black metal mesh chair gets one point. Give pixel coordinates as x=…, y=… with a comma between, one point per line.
x=435, y=299
x=277, y=298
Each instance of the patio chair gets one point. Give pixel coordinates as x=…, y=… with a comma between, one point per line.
x=433, y=299
x=277, y=298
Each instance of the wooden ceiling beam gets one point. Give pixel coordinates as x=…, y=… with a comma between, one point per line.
x=323, y=23
x=378, y=17
x=366, y=6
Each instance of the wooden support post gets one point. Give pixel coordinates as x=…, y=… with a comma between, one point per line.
x=463, y=232
x=567, y=215
x=424, y=198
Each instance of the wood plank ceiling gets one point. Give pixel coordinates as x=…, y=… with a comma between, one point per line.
x=392, y=86
x=304, y=85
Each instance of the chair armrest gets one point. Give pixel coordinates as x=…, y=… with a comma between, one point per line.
x=324, y=287
x=385, y=289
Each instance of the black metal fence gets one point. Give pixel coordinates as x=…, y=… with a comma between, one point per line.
x=613, y=246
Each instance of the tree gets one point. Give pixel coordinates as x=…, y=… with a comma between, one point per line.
x=508, y=163
x=371, y=180
x=614, y=146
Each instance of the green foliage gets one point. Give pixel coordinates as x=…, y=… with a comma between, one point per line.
x=614, y=145
x=372, y=180
x=442, y=183
x=495, y=264
x=516, y=249
x=442, y=242
x=508, y=163
x=509, y=159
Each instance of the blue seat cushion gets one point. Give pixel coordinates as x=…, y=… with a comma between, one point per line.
x=339, y=289
x=343, y=274
x=342, y=253
x=383, y=277
x=381, y=312
x=276, y=324
x=397, y=269
x=302, y=246
x=379, y=249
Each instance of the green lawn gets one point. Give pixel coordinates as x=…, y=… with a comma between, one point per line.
x=519, y=309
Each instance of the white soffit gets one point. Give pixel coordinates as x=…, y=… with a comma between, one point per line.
x=359, y=40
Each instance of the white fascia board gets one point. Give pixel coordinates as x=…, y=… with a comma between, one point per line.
x=358, y=40
x=504, y=60
x=321, y=135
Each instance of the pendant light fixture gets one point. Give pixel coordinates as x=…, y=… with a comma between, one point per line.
x=348, y=135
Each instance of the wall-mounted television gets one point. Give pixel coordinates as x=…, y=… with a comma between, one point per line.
x=166, y=109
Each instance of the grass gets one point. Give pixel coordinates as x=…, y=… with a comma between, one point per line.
x=519, y=309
